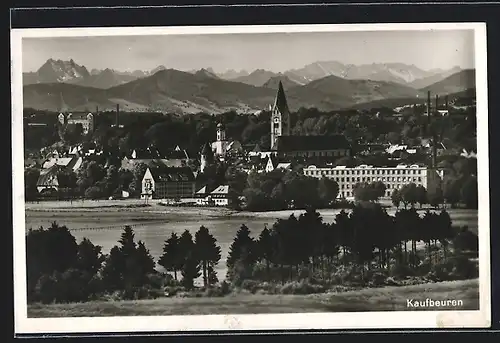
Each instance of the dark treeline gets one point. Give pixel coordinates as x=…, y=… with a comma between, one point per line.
x=296, y=255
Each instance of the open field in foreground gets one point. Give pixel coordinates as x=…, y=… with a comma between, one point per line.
x=102, y=221
x=372, y=299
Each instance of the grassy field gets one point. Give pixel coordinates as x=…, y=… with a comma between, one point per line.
x=102, y=221
x=373, y=299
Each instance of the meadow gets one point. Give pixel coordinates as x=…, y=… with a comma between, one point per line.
x=102, y=221
x=370, y=299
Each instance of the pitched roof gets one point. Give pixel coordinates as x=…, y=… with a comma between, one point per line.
x=311, y=143
x=283, y=165
x=221, y=190
x=162, y=173
x=61, y=161
x=203, y=190
x=48, y=177
x=280, y=101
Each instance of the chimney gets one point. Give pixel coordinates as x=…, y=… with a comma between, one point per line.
x=428, y=107
x=434, y=151
x=446, y=102
x=437, y=104
x=117, y=114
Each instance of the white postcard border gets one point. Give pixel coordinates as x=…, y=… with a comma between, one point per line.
x=321, y=321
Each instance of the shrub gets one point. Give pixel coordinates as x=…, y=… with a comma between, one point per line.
x=301, y=287
x=456, y=268
x=400, y=270
x=250, y=285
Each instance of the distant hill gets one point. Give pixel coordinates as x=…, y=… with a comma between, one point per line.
x=436, y=77
x=397, y=102
x=285, y=81
x=62, y=96
x=458, y=82
x=171, y=90
x=333, y=90
x=388, y=72
x=207, y=73
x=232, y=74
x=105, y=79
x=256, y=78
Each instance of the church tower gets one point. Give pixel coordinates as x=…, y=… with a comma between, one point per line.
x=221, y=133
x=280, y=117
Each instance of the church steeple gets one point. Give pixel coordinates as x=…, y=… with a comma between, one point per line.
x=280, y=117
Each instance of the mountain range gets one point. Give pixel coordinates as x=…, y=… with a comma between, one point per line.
x=59, y=85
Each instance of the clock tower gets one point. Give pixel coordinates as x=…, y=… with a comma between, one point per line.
x=280, y=117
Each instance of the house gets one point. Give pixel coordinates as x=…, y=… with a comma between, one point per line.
x=86, y=119
x=220, y=195
x=468, y=154
x=163, y=182
x=273, y=163
x=202, y=196
x=48, y=181
x=73, y=163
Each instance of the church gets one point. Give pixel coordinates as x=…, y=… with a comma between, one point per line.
x=287, y=145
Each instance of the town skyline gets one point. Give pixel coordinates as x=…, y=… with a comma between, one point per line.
x=223, y=52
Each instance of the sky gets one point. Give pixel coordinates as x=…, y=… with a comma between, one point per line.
x=276, y=52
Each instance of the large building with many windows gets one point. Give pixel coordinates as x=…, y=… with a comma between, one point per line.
x=392, y=177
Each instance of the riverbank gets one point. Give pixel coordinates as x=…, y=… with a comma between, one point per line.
x=370, y=299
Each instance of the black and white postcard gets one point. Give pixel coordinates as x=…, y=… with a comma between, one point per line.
x=250, y=178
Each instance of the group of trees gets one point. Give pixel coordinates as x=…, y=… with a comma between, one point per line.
x=192, y=258
x=300, y=247
x=369, y=191
x=62, y=270
x=281, y=189
x=296, y=248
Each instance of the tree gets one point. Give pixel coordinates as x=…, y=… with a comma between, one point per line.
x=265, y=248
x=328, y=190
x=435, y=196
x=421, y=195
x=396, y=198
x=89, y=257
x=469, y=192
x=242, y=244
x=190, y=270
x=145, y=261
x=48, y=251
x=452, y=188
x=128, y=265
x=209, y=254
x=170, y=259
x=409, y=194
x=31, y=176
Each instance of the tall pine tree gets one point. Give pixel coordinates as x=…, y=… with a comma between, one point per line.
x=207, y=251
x=171, y=257
x=243, y=246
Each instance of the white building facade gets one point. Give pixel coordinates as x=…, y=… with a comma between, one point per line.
x=392, y=177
